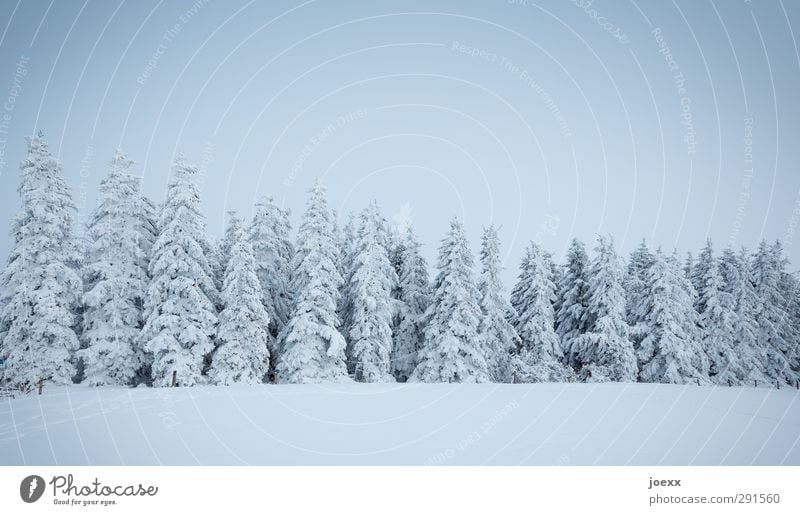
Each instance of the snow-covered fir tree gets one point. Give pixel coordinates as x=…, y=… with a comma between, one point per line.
x=790, y=286
x=693, y=319
x=41, y=284
x=768, y=267
x=120, y=235
x=180, y=314
x=699, y=273
x=718, y=326
x=453, y=350
x=670, y=351
x=349, y=233
x=212, y=248
x=346, y=258
x=148, y=233
x=636, y=290
x=313, y=350
x=371, y=309
x=688, y=266
x=539, y=357
x=572, y=300
x=787, y=289
x=338, y=242
x=737, y=279
x=243, y=339
x=395, y=250
x=345, y=255
x=499, y=336
x=413, y=296
x=233, y=227
x=396, y=246
x=604, y=351
x=273, y=251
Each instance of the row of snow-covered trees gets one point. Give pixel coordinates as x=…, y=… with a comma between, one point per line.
x=146, y=293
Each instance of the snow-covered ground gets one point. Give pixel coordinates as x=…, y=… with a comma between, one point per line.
x=544, y=424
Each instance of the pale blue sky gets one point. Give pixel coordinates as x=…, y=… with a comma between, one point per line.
x=550, y=118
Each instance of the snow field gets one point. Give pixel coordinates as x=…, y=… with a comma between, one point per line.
x=412, y=424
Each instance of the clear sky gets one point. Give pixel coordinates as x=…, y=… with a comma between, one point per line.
x=673, y=121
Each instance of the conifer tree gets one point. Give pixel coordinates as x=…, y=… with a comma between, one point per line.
x=371, y=287
x=413, y=295
x=670, y=351
x=718, y=325
x=539, y=356
x=313, y=350
x=243, y=338
x=499, y=336
x=120, y=236
x=790, y=286
x=347, y=259
x=771, y=313
x=41, y=284
x=700, y=274
x=573, y=299
x=604, y=350
x=688, y=266
x=180, y=304
x=737, y=279
x=636, y=290
x=273, y=252
x=396, y=246
x=233, y=227
x=338, y=242
x=212, y=249
x=452, y=349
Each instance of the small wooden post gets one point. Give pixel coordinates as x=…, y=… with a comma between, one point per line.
x=174, y=378
x=40, y=385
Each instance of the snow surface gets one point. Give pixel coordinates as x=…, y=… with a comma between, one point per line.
x=398, y=424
